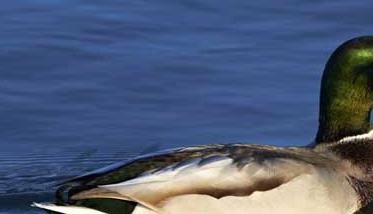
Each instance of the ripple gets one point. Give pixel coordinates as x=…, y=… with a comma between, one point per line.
x=40, y=172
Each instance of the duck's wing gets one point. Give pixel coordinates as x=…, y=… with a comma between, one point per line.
x=217, y=171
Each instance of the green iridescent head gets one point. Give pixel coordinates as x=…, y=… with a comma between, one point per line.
x=346, y=96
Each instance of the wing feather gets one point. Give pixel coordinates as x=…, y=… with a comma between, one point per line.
x=216, y=177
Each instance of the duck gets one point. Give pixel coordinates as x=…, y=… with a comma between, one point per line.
x=333, y=175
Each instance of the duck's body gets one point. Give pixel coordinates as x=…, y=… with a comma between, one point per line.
x=335, y=176
x=232, y=179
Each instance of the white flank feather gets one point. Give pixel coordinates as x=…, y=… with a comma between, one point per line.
x=321, y=192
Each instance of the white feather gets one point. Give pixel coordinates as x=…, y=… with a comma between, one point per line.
x=366, y=136
x=66, y=209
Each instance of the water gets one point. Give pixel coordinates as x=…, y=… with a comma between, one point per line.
x=88, y=83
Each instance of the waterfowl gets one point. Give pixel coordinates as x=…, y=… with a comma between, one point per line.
x=334, y=175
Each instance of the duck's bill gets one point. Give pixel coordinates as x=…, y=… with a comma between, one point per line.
x=66, y=209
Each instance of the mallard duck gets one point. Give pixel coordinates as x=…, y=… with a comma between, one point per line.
x=334, y=175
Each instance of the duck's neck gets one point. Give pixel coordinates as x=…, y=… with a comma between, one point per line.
x=338, y=120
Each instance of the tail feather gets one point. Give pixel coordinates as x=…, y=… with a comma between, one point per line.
x=66, y=209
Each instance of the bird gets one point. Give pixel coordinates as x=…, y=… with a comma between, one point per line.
x=333, y=174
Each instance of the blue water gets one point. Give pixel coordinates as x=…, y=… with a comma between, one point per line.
x=85, y=83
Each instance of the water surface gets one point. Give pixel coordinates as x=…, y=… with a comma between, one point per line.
x=87, y=83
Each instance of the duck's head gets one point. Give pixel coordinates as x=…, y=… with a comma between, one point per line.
x=346, y=96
